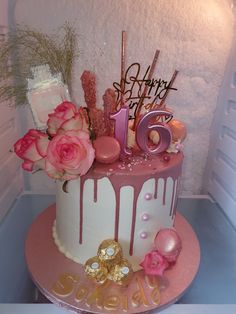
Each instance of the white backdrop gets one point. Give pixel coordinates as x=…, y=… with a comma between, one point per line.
x=194, y=37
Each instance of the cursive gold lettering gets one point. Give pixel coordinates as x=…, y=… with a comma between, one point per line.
x=65, y=285
x=81, y=293
x=97, y=296
x=152, y=281
x=124, y=303
x=139, y=297
x=112, y=302
x=156, y=296
x=147, y=293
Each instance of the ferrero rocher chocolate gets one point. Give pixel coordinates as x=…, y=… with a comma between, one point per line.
x=109, y=264
x=121, y=273
x=96, y=270
x=110, y=252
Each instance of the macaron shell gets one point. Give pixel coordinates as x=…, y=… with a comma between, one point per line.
x=107, y=149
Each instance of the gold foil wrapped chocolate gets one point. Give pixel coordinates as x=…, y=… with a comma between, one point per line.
x=110, y=252
x=121, y=273
x=109, y=264
x=96, y=270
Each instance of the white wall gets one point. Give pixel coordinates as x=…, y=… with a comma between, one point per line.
x=10, y=175
x=193, y=36
x=220, y=175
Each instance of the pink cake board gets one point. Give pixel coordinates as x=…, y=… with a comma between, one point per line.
x=63, y=281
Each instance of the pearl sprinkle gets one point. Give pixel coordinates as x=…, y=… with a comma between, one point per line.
x=148, y=196
x=143, y=235
x=145, y=217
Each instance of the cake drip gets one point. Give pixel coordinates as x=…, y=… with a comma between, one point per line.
x=142, y=169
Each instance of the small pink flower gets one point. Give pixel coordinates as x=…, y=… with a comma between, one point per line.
x=61, y=116
x=69, y=155
x=32, y=148
x=154, y=263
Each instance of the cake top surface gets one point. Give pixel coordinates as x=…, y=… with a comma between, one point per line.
x=138, y=165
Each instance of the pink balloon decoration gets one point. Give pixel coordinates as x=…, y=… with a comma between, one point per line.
x=121, y=128
x=168, y=244
x=144, y=128
x=107, y=149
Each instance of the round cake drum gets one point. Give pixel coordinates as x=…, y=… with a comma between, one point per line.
x=64, y=283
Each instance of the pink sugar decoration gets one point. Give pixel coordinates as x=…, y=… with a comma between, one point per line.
x=97, y=119
x=88, y=81
x=109, y=102
x=166, y=158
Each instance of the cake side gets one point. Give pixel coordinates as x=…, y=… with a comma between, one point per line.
x=126, y=201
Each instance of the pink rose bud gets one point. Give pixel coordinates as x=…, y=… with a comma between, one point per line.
x=32, y=148
x=61, y=114
x=154, y=264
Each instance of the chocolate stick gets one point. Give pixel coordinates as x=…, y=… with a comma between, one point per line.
x=140, y=103
x=167, y=92
x=123, y=55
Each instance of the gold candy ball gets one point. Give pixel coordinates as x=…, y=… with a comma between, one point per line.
x=110, y=252
x=121, y=273
x=96, y=270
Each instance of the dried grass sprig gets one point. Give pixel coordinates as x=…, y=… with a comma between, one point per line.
x=25, y=48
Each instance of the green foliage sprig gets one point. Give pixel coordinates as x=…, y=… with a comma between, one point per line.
x=24, y=48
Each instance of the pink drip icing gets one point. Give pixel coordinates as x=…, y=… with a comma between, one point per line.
x=176, y=200
x=131, y=245
x=95, y=190
x=155, y=192
x=172, y=199
x=123, y=177
x=82, y=180
x=164, y=192
x=117, y=214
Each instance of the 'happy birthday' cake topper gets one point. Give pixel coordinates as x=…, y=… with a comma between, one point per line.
x=135, y=84
x=136, y=90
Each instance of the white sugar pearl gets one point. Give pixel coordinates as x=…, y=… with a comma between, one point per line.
x=145, y=217
x=143, y=235
x=148, y=196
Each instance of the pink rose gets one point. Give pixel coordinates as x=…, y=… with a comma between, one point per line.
x=154, y=263
x=32, y=148
x=69, y=155
x=77, y=123
x=61, y=114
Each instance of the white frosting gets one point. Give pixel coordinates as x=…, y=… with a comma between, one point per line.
x=99, y=217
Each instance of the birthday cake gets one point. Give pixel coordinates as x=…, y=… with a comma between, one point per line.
x=126, y=201
x=117, y=173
